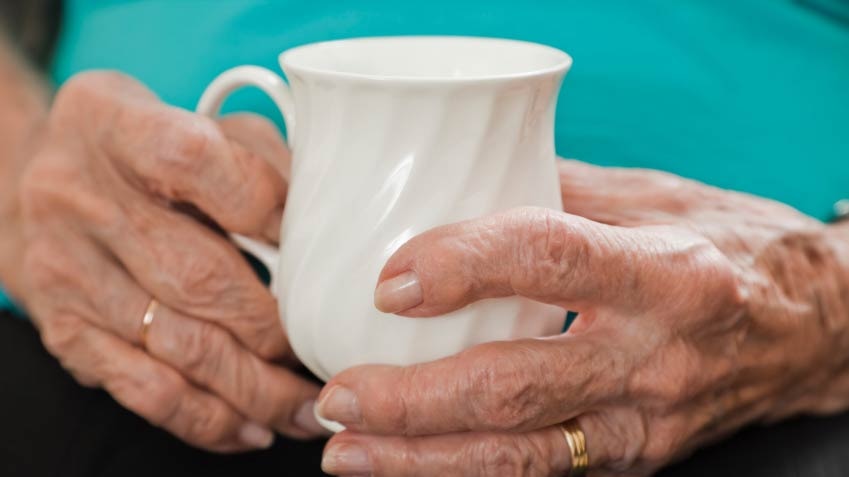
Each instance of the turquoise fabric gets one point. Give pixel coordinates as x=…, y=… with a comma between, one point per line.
x=5, y=301
x=751, y=95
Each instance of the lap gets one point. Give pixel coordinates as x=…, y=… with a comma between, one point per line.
x=51, y=426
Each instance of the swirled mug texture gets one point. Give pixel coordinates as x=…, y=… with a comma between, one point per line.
x=378, y=162
x=395, y=136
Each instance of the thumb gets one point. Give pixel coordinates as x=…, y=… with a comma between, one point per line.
x=542, y=254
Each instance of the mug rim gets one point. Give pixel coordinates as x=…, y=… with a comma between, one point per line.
x=563, y=64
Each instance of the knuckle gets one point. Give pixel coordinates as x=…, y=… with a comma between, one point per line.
x=661, y=446
x=626, y=432
x=546, y=245
x=187, y=140
x=52, y=186
x=156, y=399
x=713, y=283
x=660, y=388
x=45, y=264
x=671, y=375
x=251, y=203
x=40, y=187
x=262, y=331
x=504, y=393
x=397, y=413
x=501, y=457
x=667, y=192
x=734, y=292
x=209, y=425
x=266, y=404
x=60, y=332
x=201, y=278
x=159, y=394
x=725, y=289
x=166, y=402
x=200, y=350
x=661, y=180
x=86, y=86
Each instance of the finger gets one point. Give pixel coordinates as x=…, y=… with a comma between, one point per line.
x=258, y=134
x=518, y=386
x=186, y=266
x=541, y=254
x=174, y=154
x=210, y=357
x=74, y=270
x=261, y=136
x=151, y=389
x=181, y=262
x=201, y=351
x=193, y=161
x=639, y=197
x=623, y=196
x=197, y=272
x=539, y=453
x=613, y=442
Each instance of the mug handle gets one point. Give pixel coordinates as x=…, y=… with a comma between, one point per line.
x=210, y=105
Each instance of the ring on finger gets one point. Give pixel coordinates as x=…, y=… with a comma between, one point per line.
x=577, y=442
x=147, y=320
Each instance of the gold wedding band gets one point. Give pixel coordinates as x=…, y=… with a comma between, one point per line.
x=147, y=320
x=577, y=442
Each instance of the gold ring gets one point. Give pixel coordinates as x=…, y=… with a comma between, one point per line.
x=147, y=320
x=577, y=442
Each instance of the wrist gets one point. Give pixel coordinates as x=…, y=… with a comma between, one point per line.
x=837, y=236
x=801, y=307
x=830, y=300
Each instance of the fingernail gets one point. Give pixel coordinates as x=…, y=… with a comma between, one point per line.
x=257, y=436
x=399, y=293
x=347, y=459
x=305, y=419
x=341, y=405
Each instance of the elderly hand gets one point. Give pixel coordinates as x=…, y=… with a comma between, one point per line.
x=111, y=204
x=701, y=310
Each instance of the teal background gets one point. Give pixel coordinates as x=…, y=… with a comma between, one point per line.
x=745, y=94
x=751, y=95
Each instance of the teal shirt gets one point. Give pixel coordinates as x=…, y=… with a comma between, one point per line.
x=5, y=302
x=751, y=95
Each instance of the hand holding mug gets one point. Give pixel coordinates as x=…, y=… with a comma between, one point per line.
x=701, y=310
x=104, y=232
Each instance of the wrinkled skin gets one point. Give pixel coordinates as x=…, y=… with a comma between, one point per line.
x=118, y=198
x=701, y=310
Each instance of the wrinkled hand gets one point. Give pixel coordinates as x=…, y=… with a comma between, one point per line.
x=701, y=310
x=109, y=203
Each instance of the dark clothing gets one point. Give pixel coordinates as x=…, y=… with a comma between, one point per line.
x=53, y=427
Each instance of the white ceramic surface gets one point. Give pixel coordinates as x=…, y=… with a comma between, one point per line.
x=390, y=137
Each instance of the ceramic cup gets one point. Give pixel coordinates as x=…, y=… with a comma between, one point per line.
x=391, y=137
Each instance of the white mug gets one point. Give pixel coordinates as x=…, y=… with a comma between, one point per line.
x=391, y=137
